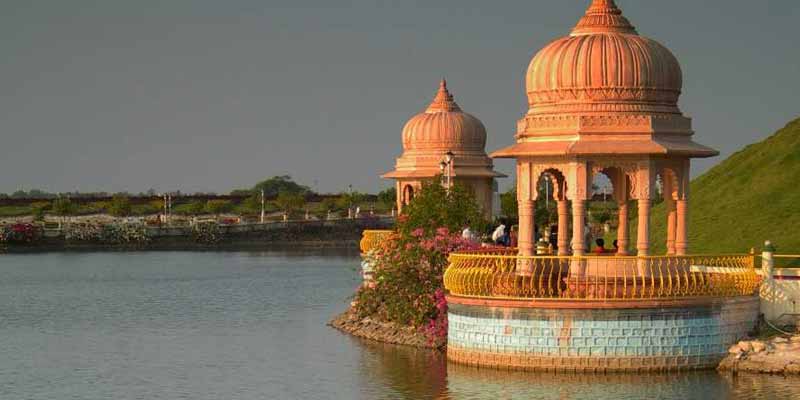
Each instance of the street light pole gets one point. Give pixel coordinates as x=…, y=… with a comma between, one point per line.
x=262, y=206
x=446, y=167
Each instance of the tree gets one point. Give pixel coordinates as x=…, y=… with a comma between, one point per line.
x=195, y=207
x=509, y=205
x=38, y=208
x=192, y=208
x=63, y=206
x=328, y=204
x=434, y=207
x=251, y=205
x=352, y=199
x=217, y=207
x=290, y=202
x=280, y=184
x=120, y=206
x=388, y=197
x=542, y=214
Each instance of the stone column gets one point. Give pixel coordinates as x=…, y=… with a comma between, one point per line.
x=526, y=238
x=669, y=204
x=682, y=228
x=643, y=237
x=563, y=228
x=623, y=233
x=578, y=225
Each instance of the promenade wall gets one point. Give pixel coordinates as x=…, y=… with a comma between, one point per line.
x=315, y=233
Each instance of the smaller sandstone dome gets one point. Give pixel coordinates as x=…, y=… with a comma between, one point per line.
x=604, y=60
x=443, y=126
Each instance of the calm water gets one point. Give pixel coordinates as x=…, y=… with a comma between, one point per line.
x=174, y=325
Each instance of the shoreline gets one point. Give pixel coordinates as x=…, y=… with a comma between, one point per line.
x=292, y=234
x=381, y=332
x=350, y=245
x=777, y=356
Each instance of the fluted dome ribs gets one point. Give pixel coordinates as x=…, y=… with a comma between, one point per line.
x=604, y=60
x=443, y=126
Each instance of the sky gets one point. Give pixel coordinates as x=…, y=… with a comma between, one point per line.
x=210, y=95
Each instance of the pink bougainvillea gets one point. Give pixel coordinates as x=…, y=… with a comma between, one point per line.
x=408, y=287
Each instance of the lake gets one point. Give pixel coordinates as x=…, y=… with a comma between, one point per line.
x=252, y=325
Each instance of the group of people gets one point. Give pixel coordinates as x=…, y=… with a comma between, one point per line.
x=506, y=237
x=509, y=237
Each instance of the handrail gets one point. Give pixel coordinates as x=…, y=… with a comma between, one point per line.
x=608, y=278
x=794, y=263
x=371, y=238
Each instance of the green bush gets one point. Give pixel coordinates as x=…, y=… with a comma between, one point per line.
x=120, y=206
x=15, y=211
x=63, y=207
x=435, y=207
x=290, y=202
x=217, y=207
x=192, y=208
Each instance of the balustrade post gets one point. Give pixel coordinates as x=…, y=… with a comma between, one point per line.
x=578, y=227
x=563, y=228
x=623, y=232
x=643, y=233
x=681, y=228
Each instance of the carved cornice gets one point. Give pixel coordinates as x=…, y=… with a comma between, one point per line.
x=662, y=96
x=533, y=124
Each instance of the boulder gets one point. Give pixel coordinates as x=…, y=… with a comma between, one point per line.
x=758, y=346
x=745, y=346
x=792, y=369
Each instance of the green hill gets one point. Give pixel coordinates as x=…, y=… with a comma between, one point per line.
x=752, y=196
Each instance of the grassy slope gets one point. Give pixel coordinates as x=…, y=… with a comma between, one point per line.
x=752, y=196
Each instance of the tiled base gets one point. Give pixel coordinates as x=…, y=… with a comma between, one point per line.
x=656, y=339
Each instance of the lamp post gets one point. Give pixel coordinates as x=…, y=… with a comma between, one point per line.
x=262, y=206
x=446, y=167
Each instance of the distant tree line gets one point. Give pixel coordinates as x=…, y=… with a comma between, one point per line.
x=280, y=193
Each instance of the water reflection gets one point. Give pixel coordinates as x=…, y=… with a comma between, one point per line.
x=408, y=372
x=421, y=374
x=467, y=382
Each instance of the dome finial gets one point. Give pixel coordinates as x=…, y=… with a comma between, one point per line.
x=603, y=16
x=443, y=102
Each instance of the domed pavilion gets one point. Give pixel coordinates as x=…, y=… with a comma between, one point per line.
x=444, y=141
x=604, y=99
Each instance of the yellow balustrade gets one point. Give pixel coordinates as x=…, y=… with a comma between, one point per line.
x=508, y=276
x=371, y=238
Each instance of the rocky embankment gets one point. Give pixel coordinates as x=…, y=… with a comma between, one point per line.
x=371, y=329
x=779, y=355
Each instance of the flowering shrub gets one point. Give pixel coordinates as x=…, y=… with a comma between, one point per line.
x=207, y=232
x=20, y=233
x=83, y=232
x=408, y=287
x=124, y=234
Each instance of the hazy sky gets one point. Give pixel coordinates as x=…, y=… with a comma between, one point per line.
x=211, y=95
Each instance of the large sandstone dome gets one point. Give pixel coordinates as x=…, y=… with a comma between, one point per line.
x=444, y=127
x=604, y=90
x=604, y=65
